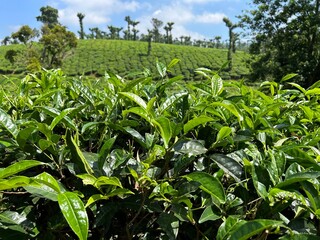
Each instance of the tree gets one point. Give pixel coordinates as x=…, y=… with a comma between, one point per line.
x=11, y=55
x=24, y=34
x=134, y=30
x=156, y=23
x=170, y=24
x=217, y=40
x=118, y=30
x=231, y=47
x=6, y=40
x=129, y=21
x=57, y=43
x=149, y=39
x=81, y=17
x=49, y=16
x=112, y=30
x=166, y=28
x=286, y=38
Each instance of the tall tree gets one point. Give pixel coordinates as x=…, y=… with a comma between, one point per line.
x=166, y=28
x=134, y=30
x=113, y=32
x=149, y=39
x=49, y=16
x=157, y=24
x=286, y=38
x=118, y=30
x=231, y=27
x=81, y=17
x=170, y=27
x=129, y=21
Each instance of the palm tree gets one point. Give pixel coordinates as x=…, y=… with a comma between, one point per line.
x=118, y=30
x=166, y=28
x=231, y=26
x=134, y=30
x=81, y=17
x=170, y=24
x=129, y=21
x=112, y=30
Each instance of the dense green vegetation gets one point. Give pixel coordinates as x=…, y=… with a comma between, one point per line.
x=286, y=39
x=124, y=57
x=159, y=159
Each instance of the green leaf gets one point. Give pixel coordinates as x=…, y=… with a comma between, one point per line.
x=299, y=87
x=103, y=180
x=252, y=228
x=231, y=107
x=44, y=185
x=196, y=122
x=209, y=215
x=162, y=69
x=216, y=85
x=135, y=98
x=173, y=63
x=315, y=91
x=7, y=122
x=191, y=148
x=18, y=167
x=298, y=177
x=229, y=166
x=74, y=212
x=171, y=100
x=163, y=126
x=98, y=197
x=105, y=150
x=288, y=77
x=169, y=224
x=140, y=139
x=14, y=182
x=77, y=156
x=300, y=236
x=223, y=133
x=139, y=111
x=53, y=112
x=228, y=226
x=209, y=184
x=61, y=116
x=17, y=223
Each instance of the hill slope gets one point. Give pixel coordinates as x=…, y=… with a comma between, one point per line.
x=124, y=57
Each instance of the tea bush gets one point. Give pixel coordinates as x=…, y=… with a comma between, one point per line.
x=165, y=159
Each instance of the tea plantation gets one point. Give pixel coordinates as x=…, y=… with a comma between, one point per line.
x=95, y=57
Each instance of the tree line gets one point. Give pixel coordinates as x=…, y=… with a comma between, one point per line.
x=284, y=38
x=57, y=41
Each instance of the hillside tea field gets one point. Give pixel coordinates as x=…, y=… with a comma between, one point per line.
x=159, y=159
x=95, y=57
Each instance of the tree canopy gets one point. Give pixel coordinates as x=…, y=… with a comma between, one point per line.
x=56, y=44
x=285, y=38
x=49, y=16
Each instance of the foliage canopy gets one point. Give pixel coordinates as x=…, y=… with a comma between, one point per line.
x=286, y=38
x=165, y=159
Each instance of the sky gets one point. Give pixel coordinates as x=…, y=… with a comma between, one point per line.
x=200, y=19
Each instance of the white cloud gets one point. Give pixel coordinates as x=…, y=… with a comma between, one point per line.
x=210, y=18
x=96, y=11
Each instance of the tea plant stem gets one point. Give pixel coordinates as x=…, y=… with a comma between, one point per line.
x=129, y=235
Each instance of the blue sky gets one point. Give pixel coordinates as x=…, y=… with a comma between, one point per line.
x=200, y=19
